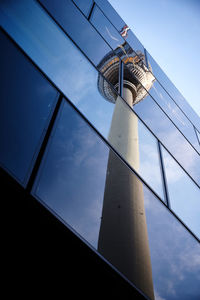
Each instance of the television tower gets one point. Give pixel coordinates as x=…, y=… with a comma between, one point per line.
x=123, y=238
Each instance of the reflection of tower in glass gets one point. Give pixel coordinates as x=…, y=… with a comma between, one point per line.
x=123, y=238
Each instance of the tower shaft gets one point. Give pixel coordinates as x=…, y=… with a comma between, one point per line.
x=123, y=238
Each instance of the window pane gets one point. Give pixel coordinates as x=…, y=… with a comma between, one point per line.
x=77, y=182
x=175, y=254
x=111, y=14
x=43, y=40
x=167, y=133
x=85, y=6
x=183, y=193
x=174, y=112
x=27, y=101
x=79, y=29
x=173, y=92
x=76, y=157
x=105, y=28
x=149, y=167
x=135, y=43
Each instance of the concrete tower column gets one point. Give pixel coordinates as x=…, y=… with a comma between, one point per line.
x=123, y=238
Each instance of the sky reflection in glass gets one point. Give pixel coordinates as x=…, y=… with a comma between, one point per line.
x=27, y=103
x=173, y=91
x=175, y=254
x=184, y=195
x=174, y=112
x=72, y=177
x=168, y=134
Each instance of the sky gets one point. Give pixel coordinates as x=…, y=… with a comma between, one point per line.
x=170, y=31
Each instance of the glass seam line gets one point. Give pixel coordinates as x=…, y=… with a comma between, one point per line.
x=44, y=144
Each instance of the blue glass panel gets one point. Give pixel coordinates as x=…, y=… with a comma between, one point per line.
x=105, y=28
x=168, y=134
x=43, y=39
x=111, y=14
x=175, y=254
x=73, y=174
x=85, y=6
x=174, y=112
x=27, y=101
x=173, y=92
x=78, y=28
x=184, y=195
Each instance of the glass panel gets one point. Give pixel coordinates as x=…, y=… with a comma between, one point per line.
x=175, y=254
x=183, y=193
x=106, y=215
x=106, y=29
x=27, y=102
x=50, y=48
x=149, y=167
x=43, y=40
x=173, y=111
x=87, y=186
x=79, y=29
x=173, y=92
x=76, y=157
x=167, y=133
x=85, y=6
x=135, y=44
x=111, y=14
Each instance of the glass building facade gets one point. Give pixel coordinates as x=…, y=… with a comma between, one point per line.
x=122, y=176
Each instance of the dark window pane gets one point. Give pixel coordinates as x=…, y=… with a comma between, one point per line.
x=111, y=14
x=168, y=134
x=85, y=6
x=27, y=101
x=173, y=92
x=79, y=29
x=175, y=254
x=105, y=28
x=184, y=195
x=49, y=47
x=174, y=112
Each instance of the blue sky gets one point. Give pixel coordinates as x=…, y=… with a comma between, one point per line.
x=170, y=31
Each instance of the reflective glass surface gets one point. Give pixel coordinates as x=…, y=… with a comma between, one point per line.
x=174, y=112
x=149, y=167
x=168, y=134
x=184, y=195
x=111, y=14
x=105, y=28
x=73, y=174
x=52, y=50
x=27, y=102
x=76, y=160
x=93, y=96
x=135, y=43
x=78, y=28
x=43, y=40
x=175, y=254
x=85, y=6
x=173, y=91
